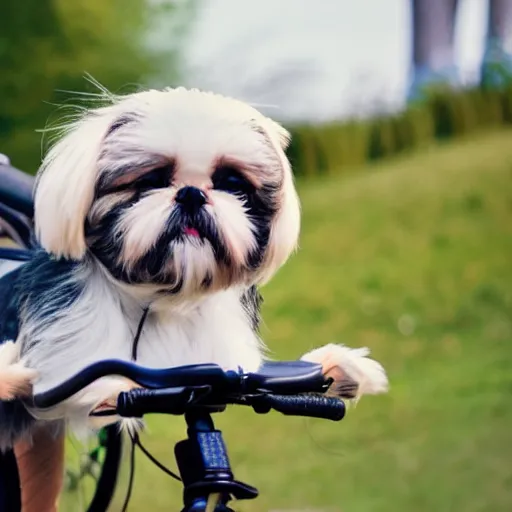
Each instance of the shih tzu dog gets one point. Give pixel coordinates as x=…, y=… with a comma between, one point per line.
x=158, y=216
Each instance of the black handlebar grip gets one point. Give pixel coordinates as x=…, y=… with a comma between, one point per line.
x=137, y=402
x=315, y=406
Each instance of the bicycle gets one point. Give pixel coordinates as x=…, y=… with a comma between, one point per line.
x=195, y=391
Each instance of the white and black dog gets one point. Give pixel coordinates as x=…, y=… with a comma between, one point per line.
x=166, y=210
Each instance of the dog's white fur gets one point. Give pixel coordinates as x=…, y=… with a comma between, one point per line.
x=190, y=327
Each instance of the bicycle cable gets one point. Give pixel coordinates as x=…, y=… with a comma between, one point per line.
x=135, y=344
x=135, y=437
x=153, y=459
x=130, y=481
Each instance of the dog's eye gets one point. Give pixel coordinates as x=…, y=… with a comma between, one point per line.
x=157, y=178
x=230, y=179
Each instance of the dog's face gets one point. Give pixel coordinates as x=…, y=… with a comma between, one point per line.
x=181, y=189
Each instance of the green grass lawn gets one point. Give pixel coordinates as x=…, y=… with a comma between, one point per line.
x=412, y=258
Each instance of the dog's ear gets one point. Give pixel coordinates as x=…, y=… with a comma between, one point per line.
x=65, y=185
x=284, y=233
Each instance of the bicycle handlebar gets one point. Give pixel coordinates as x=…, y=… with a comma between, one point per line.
x=277, y=385
x=210, y=374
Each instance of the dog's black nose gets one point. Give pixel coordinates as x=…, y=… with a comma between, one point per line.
x=192, y=198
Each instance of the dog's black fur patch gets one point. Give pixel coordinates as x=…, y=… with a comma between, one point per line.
x=46, y=287
x=251, y=301
x=42, y=288
x=261, y=205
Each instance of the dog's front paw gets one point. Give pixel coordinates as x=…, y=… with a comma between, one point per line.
x=15, y=378
x=353, y=372
x=101, y=397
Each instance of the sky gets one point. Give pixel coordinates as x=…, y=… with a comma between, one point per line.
x=316, y=59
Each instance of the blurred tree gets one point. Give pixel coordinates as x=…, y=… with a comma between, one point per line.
x=496, y=69
x=433, y=24
x=433, y=45
x=47, y=46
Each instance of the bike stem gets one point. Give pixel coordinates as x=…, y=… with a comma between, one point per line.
x=204, y=465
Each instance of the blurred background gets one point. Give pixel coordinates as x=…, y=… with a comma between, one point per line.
x=400, y=112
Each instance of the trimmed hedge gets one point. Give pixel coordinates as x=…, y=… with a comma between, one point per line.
x=443, y=114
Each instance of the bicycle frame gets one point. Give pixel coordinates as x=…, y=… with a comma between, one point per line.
x=10, y=498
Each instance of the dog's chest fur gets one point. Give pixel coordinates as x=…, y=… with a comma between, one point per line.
x=73, y=316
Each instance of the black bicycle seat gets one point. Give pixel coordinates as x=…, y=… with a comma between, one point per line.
x=16, y=188
x=288, y=377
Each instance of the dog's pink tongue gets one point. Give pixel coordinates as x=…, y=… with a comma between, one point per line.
x=191, y=231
